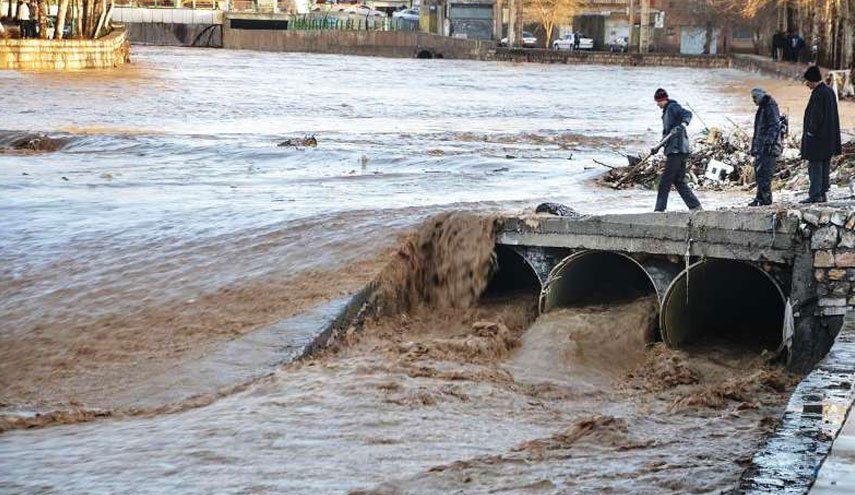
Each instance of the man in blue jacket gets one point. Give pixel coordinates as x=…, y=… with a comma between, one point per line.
x=765, y=145
x=675, y=119
x=820, y=135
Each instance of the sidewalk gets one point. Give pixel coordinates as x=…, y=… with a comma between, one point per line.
x=837, y=474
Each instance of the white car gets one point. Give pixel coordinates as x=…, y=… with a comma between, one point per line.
x=528, y=40
x=361, y=10
x=619, y=44
x=407, y=14
x=568, y=42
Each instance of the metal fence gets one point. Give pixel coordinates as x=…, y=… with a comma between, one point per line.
x=312, y=22
x=172, y=4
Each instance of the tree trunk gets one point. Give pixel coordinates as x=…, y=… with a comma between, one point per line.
x=42, y=19
x=60, y=18
x=549, y=31
x=88, y=18
x=78, y=19
x=101, y=18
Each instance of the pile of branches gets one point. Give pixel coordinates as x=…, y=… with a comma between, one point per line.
x=732, y=150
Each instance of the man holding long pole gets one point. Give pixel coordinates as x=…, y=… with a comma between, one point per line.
x=675, y=119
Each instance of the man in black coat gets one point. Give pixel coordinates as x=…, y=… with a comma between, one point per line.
x=765, y=145
x=675, y=119
x=820, y=135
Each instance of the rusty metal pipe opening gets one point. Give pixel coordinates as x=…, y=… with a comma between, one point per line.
x=512, y=275
x=725, y=301
x=596, y=277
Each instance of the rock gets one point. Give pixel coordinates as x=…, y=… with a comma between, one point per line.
x=824, y=217
x=819, y=275
x=850, y=274
x=836, y=274
x=797, y=214
x=850, y=222
x=847, y=239
x=838, y=218
x=834, y=311
x=811, y=217
x=840, y=289
x=845, y=259
x=824, y=238
x=823, y=259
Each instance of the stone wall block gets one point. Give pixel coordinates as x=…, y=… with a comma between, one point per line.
x=847, y=239
x=845, y=259
x=824, y=238
x=832, y=301
x=823, y=259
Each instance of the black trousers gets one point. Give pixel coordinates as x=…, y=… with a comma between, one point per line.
x=675, y=175
x=764, y=168
x=819, y=173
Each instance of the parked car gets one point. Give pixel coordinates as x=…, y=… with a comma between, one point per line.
x=619, y=44
x=568, y=42
x=528, y=40
x=407, y=14
x=358, y=10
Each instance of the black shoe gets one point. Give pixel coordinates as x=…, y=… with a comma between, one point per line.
x=822, y=199
x=756, y=202
x=806, y=201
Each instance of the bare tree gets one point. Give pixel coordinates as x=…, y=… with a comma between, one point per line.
x=61, y=13
x=549, y=13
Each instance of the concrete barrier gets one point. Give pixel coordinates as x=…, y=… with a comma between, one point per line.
x=397, y=44
x=609, y=58
x=175, y=34
x=172, y=27
x=108, y=51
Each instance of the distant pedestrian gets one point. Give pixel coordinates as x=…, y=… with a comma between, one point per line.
x=778, y=42
x=820, y=135
x=577, y=40
x=24, y=19
x=765, y=145
x=675, y=119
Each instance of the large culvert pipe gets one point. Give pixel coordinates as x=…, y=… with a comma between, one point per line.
x=595, y=276
x=512, y=274
x=723, y=301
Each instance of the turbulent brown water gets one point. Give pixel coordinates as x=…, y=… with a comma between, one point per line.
x=440, y=396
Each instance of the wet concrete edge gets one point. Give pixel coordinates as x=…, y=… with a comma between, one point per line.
x=790, y=459
x=353, y=313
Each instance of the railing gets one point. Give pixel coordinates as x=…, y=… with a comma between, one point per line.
x=311, y=22
x=173, y=4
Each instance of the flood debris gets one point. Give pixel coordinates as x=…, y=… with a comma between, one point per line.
x=30, y=142
x=557, y=209
x=304, y=142
x=721, y=160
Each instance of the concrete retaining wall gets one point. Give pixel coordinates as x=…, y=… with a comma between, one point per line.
x=767, y=66
x=608, y=58
x=172, y=27
x=33, y=54
x=174, y=34
x=372, y=43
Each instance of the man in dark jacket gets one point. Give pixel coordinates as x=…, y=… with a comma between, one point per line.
x=820, y=135
x=765, y=145
x=674, y=122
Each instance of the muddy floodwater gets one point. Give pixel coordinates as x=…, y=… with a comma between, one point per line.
x=171, y=215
